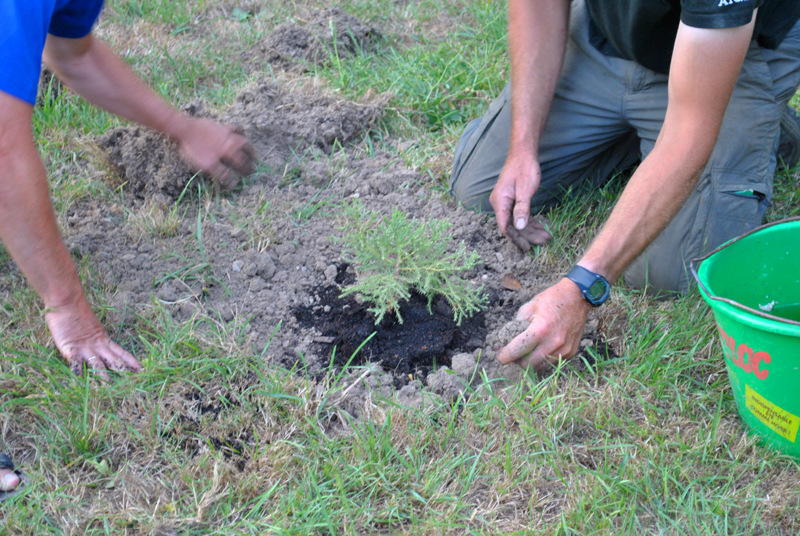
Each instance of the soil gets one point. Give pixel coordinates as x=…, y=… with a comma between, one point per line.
x=150, y=164
x=327, y=34
x=409, y=350
x=260, y=265
x=282, y=125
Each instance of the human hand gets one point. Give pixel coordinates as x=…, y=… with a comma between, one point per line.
x=81, y=339
x=221, y=151
x=557, y=317
x=511, y=200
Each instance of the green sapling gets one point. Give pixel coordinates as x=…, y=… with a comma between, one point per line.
x=393, y=255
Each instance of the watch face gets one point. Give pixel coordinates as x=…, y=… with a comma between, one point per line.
x=598, y=290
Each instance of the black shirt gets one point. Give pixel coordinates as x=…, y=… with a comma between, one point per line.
x=644, y=30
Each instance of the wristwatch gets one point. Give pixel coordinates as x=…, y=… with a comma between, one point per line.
x=594, y=287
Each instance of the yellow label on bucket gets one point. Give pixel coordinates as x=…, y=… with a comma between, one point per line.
x=777, y=419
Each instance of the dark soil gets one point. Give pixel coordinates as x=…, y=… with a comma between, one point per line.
x=412, y=349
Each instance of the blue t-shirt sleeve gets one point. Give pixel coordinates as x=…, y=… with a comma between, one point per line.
x=23, y=30
x=24, y=26
x=74, y=19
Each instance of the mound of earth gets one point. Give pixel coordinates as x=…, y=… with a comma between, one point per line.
x=328, y=33
x=282, y=125
x=149, y=163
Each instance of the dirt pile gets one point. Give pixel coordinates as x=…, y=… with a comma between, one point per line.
x=282, y=125
x=149, y=163
x=329, y=33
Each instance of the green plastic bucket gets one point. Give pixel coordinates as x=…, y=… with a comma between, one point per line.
x=752, y=284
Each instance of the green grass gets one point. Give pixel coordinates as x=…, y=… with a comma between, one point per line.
x=211, y=440
x=435, y=82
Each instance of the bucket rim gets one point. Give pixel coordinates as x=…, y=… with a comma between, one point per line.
x=737, y=305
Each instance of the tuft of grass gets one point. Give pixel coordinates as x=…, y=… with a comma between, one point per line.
x=154, y=219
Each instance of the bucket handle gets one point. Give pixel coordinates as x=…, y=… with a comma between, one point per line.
x=699, y=261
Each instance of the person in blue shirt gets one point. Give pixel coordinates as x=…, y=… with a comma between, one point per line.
x=59, y=32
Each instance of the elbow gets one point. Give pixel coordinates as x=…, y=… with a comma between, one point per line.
x=67, y=57
x=688, y=147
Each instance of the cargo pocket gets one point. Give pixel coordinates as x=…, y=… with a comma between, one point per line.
x=734, y=211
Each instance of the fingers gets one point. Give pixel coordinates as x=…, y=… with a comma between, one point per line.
x=535, y=233
x=241, y=156
x=518, y=239
x=522, y=204
x=95, y=364
x=125, y=358
x=520, y=346
x=541, y=359
x=101, y=358
x=223, y=175
x=502, y=209
x=531, y=351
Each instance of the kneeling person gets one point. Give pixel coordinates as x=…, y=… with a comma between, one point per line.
x=698, y=88
x=59, y=31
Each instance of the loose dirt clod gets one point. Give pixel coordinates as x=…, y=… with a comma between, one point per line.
x=507, y=333
x=464, y=365
x=446, y=383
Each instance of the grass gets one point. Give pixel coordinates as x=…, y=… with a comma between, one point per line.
x=209, y=439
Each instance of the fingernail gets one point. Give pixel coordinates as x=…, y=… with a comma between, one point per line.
x=520, y=223
x=9, y=481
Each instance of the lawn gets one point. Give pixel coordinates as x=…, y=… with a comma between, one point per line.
x=217, y=436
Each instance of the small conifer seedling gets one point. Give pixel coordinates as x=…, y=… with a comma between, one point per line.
x=393, y=255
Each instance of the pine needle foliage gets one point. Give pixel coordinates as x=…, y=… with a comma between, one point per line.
x=393, y=255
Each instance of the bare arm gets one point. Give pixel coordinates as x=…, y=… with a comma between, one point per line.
x=28, y=229
x=704, y=70
x=90, y=68
x=705, y=66
x=537, y=37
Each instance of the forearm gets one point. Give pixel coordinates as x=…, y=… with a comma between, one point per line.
x=700, y=86
x=653, y=196
x=92, y=70
x=27, y=223
x=537, y=37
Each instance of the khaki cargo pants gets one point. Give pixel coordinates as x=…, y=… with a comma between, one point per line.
x=606, y=116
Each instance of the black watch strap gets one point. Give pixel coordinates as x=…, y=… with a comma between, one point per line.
x=594, y=287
